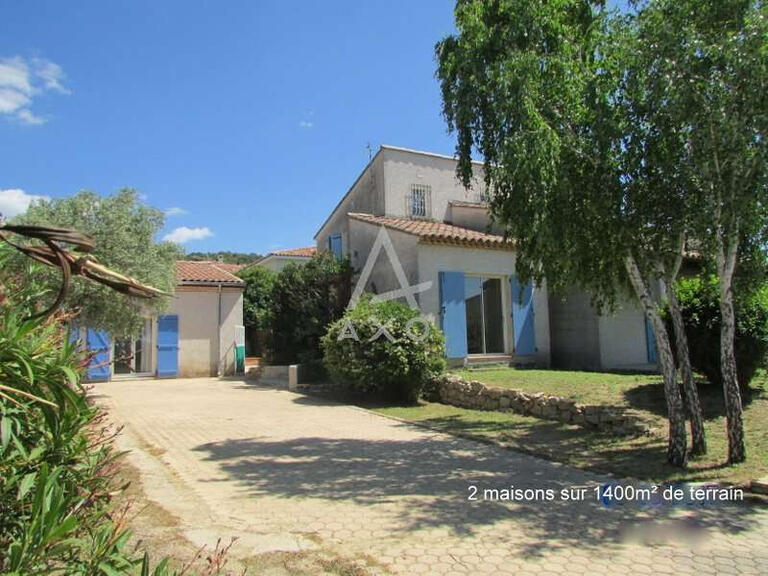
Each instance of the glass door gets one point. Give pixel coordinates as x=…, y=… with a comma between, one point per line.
x=485, y=315
x=132, y=355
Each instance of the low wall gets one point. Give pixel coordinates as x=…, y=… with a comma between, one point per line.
x=453, y=390
x=286, y=376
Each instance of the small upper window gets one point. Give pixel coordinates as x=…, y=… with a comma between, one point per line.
x=419, y=201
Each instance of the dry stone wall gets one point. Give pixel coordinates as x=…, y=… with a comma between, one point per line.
x=453, y=390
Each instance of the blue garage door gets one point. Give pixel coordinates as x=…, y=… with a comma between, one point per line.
x=168, y=346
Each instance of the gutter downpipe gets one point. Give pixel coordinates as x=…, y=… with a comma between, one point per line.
x=218, y=334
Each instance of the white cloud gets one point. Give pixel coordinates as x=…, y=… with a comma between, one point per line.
x=28, y=117
x=183, y=234
x=175, y=211
x=23, y=79
x=306, y=124
x=14, y=201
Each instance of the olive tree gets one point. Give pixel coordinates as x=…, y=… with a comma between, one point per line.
x=124, y=230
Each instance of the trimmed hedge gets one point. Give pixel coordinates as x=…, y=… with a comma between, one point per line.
x=384, y=349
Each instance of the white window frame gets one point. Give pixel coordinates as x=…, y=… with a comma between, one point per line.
x=506, y=312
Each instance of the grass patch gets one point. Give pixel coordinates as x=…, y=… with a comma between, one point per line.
x=641, y=457
x=583, y=387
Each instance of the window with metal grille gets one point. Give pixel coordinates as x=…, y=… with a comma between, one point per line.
x=419, y=201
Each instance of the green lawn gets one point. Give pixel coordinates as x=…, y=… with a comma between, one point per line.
x=583, y=387
x=641, y=457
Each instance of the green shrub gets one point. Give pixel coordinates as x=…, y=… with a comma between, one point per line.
x=700, y=305
x=57, y=464
x=305, y=300
x=396, y=369
x=257, y=301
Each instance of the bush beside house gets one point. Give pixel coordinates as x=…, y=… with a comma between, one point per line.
x=305, y=299
x=395, y=364
x=700, y=304
x=257, y=303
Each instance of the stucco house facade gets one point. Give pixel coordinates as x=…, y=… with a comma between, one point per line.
x=448, y=247
x=195, y=337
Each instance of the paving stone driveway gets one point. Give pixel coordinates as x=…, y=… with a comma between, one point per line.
x=285, y=472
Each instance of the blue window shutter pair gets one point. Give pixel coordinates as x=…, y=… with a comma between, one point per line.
x=168, y=346
x=334, y=245
x=650, y=339
x=99, y=368
x=522, y=317
x=453, y=313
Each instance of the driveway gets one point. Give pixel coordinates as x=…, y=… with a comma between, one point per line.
x=283, y=471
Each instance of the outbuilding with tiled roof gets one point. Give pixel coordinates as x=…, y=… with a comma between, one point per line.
x=199, y=335
x=279, y=259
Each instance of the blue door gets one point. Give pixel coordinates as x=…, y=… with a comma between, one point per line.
x=650, y=341
x=168, y=346
x=453, y=313
x=99, y=367
x=522, y=317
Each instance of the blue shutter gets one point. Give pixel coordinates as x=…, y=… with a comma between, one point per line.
x=168, y=345
x=334, y=244
x=453, y=313
x=522, y=317
x=99, y=368
x=650, y=341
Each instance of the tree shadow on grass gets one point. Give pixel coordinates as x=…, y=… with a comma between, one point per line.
x=424, y=482
x=641, y=457
x=650, y=398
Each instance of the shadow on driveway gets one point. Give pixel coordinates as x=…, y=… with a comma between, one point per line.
x=425, y=483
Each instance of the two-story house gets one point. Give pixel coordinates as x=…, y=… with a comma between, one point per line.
x=447, y=246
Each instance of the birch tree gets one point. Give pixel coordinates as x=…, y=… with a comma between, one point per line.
x=532, y=85
x=714, y=57
x=653, y=154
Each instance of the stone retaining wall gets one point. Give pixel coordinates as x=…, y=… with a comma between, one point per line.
x=453, y=390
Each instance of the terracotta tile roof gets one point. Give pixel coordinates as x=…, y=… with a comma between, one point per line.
x=306, y=252
x=432, y=232
x=206, y=272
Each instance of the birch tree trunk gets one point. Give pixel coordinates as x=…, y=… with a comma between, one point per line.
x=690, y=392
x=677, y=443
x=726, y=264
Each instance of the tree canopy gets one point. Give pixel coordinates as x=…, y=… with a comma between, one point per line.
x=124, y=231
x=612, y=140
x=257, y=297
x=225, y=256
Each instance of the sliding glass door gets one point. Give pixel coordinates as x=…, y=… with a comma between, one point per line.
x=485, y=316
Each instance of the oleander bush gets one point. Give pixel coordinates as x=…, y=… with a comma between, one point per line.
x=384, y=349
x=700, y=305
x=58, y=467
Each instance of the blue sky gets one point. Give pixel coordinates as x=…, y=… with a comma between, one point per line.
x=248, y=119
